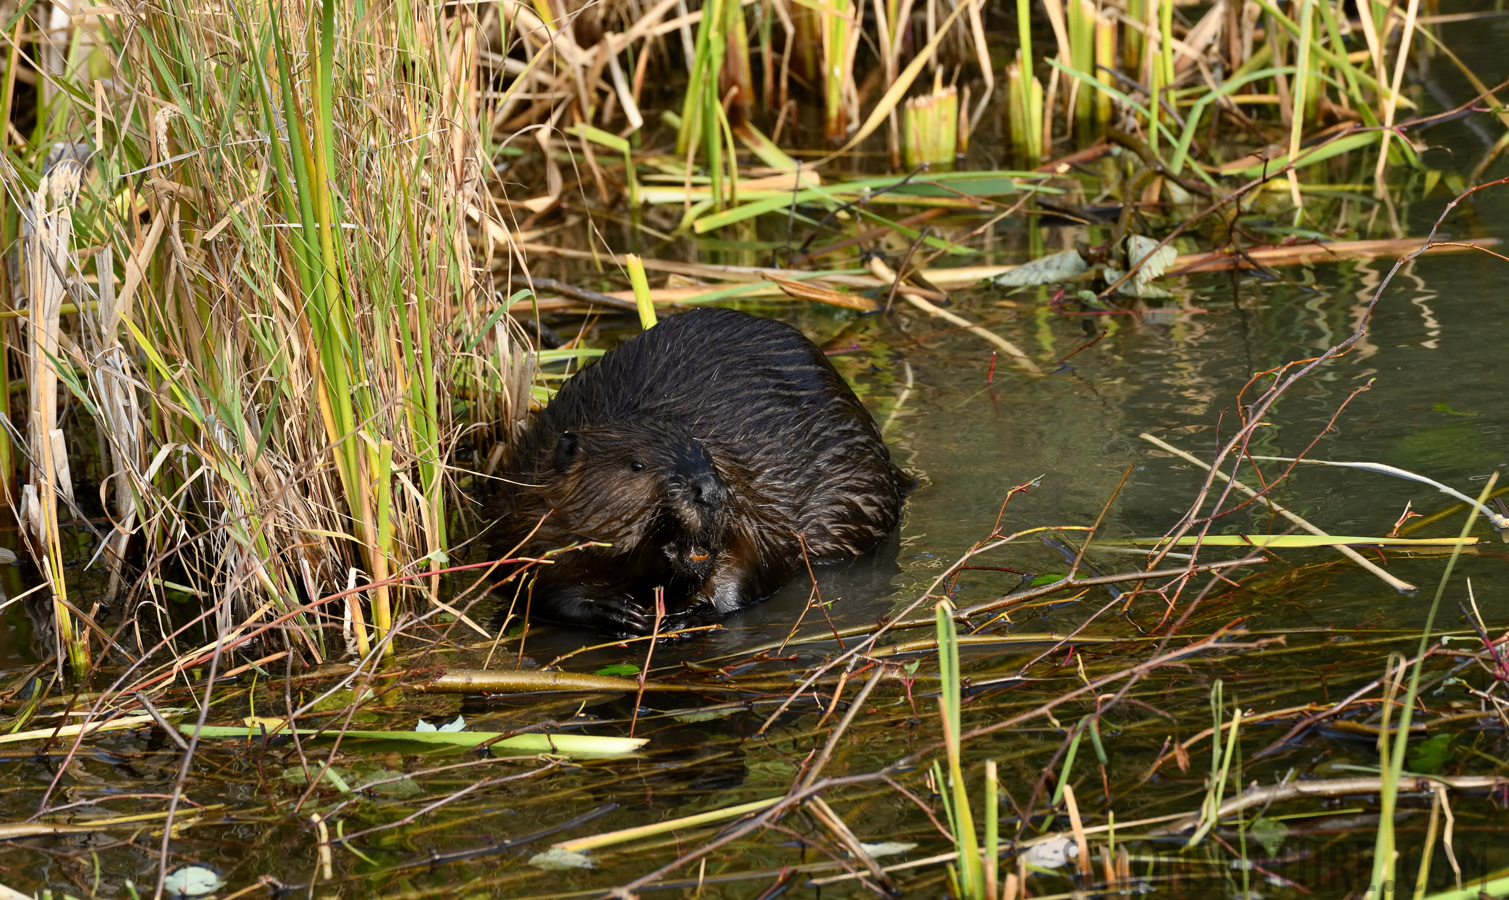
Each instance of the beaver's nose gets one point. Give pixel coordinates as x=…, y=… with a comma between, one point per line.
x=707, y=489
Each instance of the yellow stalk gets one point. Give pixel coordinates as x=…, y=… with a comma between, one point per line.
x=641, y=283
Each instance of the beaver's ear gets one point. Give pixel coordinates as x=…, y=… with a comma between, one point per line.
x=565, y=450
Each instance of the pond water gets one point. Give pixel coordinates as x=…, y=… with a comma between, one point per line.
x=1432, y=358
x=1317, y=626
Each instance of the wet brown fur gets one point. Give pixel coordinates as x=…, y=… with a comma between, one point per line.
x=700, y=450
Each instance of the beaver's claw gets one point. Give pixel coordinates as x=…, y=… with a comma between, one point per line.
x=620, y=615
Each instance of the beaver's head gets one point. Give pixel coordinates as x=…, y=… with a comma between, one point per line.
x=644, y=489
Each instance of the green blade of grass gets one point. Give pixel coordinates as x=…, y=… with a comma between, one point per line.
x=566, y=744
x=1296, y=541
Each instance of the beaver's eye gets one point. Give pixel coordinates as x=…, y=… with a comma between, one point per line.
x=636, y=466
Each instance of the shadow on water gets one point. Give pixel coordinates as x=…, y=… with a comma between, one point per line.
x=852, y=592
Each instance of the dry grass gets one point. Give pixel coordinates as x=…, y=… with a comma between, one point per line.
x=278, y=341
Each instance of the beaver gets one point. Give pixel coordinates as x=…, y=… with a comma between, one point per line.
x=711, y=453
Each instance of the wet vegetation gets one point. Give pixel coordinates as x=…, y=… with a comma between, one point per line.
x=1119, y=280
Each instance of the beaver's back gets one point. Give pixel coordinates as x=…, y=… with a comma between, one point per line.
x=782, y=426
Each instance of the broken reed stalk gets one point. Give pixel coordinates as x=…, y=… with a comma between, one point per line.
x=1024, y=111
x=930, y=128
x=118, y=410
x=49, y=260
x=1081, y=20
x=737, y=81
x=1105, y=62
x=1135, y=38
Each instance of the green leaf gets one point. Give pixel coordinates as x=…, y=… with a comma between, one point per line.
x=1446, y=408
x=1429, y=755
x=620, y=669
x=598, y=136
x=1092, y=300
x=706, y=715
x=1270, y=833
x=982, y=185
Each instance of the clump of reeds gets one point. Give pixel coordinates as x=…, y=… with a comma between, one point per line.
x=1142, y=64
x=289, y=322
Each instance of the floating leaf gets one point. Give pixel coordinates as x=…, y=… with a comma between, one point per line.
x=1430, y=755
x=1270, y=833
x=556, y=859
x=401, y=788
x=339, y=701
x=191, y=881
x=888, y=848
x=1052, y=853
x=338, y=777
x=1091, y=299
x=622, y=670
x=1446, y=408
x=706, y=715
x=1050, y=269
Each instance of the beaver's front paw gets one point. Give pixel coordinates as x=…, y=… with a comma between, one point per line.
x=620, y=615
x=700, y=611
